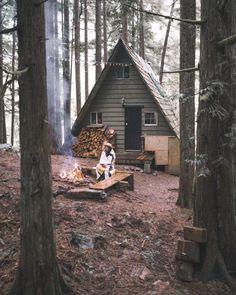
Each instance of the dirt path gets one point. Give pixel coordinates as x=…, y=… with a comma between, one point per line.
x=128, y=243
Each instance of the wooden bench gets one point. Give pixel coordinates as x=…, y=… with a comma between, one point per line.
x=114, y=181
x=147, y=159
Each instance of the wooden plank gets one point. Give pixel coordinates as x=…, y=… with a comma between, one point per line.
x=159, y=144
x=188, y=251
x=174, y=156
x=84, y=193
x=195, y=234
x=112, y=181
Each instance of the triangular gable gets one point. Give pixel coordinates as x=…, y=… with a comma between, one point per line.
x=148, y=77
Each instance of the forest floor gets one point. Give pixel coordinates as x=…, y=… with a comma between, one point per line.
x=125, y=245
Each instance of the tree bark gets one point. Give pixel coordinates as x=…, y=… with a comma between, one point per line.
x=105, y=55
x=165, y=43
x=13, y=87
x=86, y=49
x=124, y=22
x=77, y=54
x=51, y=77
x=141, y=31
x=66, y=71
x=57, y=91
x=38, y=271
x=215, y=200
x=187, y=105
x=3, y=135
x=98, y=28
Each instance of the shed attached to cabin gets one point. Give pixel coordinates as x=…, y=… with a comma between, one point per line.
x=128, y=98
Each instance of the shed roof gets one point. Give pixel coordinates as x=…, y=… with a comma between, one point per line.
x=149, y=78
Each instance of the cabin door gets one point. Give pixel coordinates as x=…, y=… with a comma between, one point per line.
x=133, y=128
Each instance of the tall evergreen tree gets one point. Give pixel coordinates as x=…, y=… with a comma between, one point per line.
x=3, y=135
x=86, y=68
x=77, y=54
x=66, y=70
x=38, y=271
x=187, y=104
x=98, y=31
x=215, y=199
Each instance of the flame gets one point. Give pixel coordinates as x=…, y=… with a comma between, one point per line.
x=75, y=175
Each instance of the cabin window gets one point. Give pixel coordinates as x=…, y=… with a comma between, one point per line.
x=95, y=118
x=150, y=119
x=123, y=72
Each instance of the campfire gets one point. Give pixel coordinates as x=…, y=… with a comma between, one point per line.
x=75, y=175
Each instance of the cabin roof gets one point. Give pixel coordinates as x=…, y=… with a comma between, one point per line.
x=149, y=78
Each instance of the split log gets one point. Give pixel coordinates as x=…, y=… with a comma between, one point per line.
x=123, y=186
x=184, y=271
x=85, y=193
x=188, y=251
x=195, y=234
x=90, y=141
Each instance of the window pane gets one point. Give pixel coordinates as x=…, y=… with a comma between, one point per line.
x=99, y=118
x=150, y=119
x=93, y=118
x=126, y=72
x=119, y=72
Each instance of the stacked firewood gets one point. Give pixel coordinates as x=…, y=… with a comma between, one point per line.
x=90, y=141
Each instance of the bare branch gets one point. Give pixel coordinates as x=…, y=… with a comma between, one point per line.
x=227, y=41
x=181, y=71
x=14, y=73
x=188, y=21
x=7, y=31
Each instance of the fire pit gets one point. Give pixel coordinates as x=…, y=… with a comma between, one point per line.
x=73, y=176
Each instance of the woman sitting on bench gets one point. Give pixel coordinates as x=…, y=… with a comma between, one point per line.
x=105, y=168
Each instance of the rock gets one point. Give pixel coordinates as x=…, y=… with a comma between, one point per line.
x=88, y=242
x=82, y=241
x=145, y=274
x=184, y=271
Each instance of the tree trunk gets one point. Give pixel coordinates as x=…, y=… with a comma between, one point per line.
x=133, y=29
x=13, y=84
x=187, y=104
x=38, y=271
x=166, y=42
x=105, y=56
x=124, y=22
x=51, y=81
x=98, y=39
x=86, y=49
x=3, y=135
x=66, y=71
x=57, y=92
x=141, y=31
x=77, y=54
x=215, y=200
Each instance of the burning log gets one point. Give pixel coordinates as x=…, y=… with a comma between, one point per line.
x=90, y=140
x=74, y=176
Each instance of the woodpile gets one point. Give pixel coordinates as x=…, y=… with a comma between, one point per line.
x=90, y=141
x=189, y=252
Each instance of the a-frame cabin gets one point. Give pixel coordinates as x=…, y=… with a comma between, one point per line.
x=128, y=98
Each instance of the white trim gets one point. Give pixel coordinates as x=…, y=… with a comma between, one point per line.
x=95, y=124
x=156, y=117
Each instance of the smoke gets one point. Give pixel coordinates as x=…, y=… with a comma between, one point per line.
x=53, y=74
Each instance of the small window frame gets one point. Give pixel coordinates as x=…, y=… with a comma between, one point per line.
x=155, y=116
x=97, y=118
x=124, y=74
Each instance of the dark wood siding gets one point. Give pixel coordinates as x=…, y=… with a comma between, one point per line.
x=109, y=101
